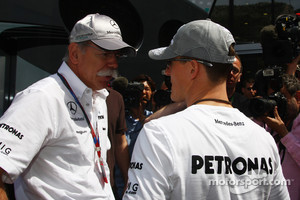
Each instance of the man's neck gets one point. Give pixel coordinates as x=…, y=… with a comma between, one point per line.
x=216, y=92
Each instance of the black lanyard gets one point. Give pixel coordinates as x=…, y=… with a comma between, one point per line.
x=216, y=100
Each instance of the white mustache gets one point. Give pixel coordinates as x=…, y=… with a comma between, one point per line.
x=113, y=73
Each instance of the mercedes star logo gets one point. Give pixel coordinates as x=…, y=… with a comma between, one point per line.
x=72, y=107
x=114, y=24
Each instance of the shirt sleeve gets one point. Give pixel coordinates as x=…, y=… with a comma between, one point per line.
x=23, y=131
x=121, y=122
x=279, y=185
x=292, y=141
x=151, y=166
x=116, y=113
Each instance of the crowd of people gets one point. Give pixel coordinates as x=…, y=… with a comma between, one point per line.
x=79, y=135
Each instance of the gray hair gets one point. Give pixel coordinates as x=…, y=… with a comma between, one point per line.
x=82, y=46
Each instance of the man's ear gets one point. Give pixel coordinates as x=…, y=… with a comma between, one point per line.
x=73, y=53
x=195, y=69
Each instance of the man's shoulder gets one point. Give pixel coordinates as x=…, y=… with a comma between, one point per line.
x=45, y=85
x=113, y=94
x=42, y=93
x=114, y=101
x=172, y=120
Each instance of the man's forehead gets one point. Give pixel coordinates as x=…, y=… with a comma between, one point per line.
x=237, y=64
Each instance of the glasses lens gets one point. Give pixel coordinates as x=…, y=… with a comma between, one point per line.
x=111, y=54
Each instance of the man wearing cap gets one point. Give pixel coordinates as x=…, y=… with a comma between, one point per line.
x=210, y=150
x=54, y=133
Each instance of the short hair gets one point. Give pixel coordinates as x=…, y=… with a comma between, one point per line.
x=291, y=83
x=220, y=71
x=82, y=46
x=144, y=77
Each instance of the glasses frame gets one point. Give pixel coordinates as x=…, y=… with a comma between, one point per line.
x=190, y=59
x=106, y=54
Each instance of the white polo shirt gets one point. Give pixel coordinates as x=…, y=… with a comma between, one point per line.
x=50, y=153
x=205, y=152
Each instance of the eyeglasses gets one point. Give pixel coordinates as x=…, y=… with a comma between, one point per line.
x=169, y=62
x=107, y=54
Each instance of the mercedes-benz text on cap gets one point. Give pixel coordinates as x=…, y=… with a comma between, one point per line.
x=202, y=39
x=101, y=30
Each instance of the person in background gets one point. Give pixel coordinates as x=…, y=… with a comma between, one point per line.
x=284, y=127
x=237, y=100
x=234, y=78
x=149, y=89
x=116, y=131
x=290, y=86
x=293, y=68
x=161, y=98
x=188, y=154
x=137, y=95
x=247, y=87
x=282, y=124
x=290, y=143
x=55, y=131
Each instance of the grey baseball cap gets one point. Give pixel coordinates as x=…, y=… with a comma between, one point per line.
x=202, y=39
x=101, y=30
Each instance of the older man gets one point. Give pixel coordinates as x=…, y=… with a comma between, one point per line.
x=56, y=129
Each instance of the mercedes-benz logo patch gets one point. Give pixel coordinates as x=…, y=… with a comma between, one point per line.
x=114, y=24
x=72, y=107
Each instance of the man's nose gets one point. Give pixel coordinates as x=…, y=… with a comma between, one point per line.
x=113, y=63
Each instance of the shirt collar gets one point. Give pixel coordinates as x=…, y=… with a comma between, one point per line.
x=75, y=83
x=103, y=93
